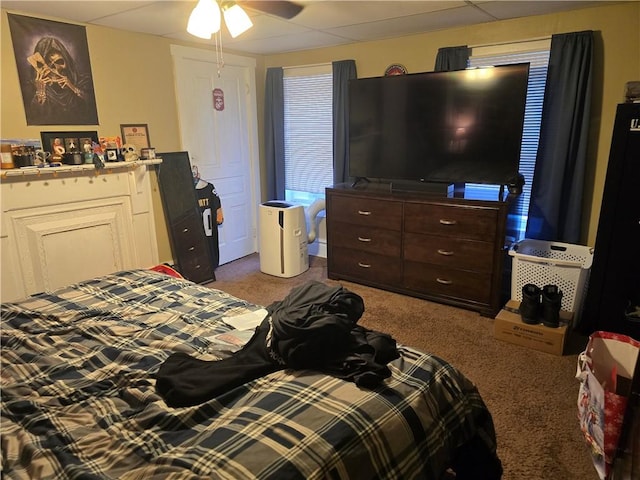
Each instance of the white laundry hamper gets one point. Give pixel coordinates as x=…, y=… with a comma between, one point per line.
x=563, y=264
x=284, y=250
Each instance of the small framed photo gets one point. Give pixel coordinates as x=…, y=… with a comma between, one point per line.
x=59, y=143
x=136, y=134
x=148, y=153
x=110, y=142
x=112, y=155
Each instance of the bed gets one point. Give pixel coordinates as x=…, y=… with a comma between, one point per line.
x=79, y=399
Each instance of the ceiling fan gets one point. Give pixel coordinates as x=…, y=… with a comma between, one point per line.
x=280, y=8
x=205, y=18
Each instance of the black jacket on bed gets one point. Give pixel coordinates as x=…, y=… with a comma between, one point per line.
x=313, y=327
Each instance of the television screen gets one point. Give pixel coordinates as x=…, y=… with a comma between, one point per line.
x=460, y=126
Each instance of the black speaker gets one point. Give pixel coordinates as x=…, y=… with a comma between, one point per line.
x=515, y=184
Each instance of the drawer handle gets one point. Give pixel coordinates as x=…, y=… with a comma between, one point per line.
x=446, y=253
x=364, y=265
x=185, y=230
x=362, y=239
x=447, y=222
x=191, y=249
x=364, y=212
x=444, y=281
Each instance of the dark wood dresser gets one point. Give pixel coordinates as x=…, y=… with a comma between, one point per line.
x=448, y=249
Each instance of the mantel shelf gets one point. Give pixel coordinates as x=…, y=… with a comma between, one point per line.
x=55, y=171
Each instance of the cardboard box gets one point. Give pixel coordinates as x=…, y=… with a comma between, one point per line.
x=509, y=327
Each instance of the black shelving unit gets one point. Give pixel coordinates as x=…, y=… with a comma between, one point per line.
x=612, y=302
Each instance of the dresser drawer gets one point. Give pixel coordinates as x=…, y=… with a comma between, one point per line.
x=461, y=221
x=367, y=239
x=191, y=248
x=195, y=264
x=365, y=266
x=187, y=229
x=442, y=281
x=450, y=252
x=366, y=212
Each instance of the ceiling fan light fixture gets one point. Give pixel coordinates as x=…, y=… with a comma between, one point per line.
x=204, y=20
x=235, y=18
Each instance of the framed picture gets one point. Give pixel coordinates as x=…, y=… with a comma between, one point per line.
x=148, y=153
x=110, y=142
x=58, y=143
x=136, y=134
x=111, y=155
x=54, y=69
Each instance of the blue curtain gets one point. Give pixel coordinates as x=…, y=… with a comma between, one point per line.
x=452, y=58
x=343, y=71
x=274, y=133
x=557, y=189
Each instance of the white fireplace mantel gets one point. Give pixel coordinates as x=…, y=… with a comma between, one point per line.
x=65, y=224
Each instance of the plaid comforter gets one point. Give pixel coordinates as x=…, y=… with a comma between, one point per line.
x=79, y=399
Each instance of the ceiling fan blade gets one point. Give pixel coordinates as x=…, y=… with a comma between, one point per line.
x=280, y=8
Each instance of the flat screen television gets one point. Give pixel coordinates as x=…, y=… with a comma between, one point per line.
x=463, y=126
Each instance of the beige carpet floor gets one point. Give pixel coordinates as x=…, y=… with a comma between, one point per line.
x=531, y=395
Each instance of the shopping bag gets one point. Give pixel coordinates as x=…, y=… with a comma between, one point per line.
x=605, y=371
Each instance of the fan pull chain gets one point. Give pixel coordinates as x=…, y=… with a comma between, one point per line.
x=219, y=54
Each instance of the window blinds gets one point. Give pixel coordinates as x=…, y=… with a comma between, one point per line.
x=308, y=128
x=539, y=61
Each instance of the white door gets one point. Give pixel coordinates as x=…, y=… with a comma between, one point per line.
x=218, y=126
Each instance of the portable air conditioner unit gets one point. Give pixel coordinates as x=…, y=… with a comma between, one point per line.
x=283, y=239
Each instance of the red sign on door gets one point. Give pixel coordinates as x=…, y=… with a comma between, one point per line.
x=218, y=99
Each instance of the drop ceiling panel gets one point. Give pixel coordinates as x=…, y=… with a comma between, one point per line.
x=330, y=14
x=413, y=24
x=288, y=43
x=508, y=9
x=156, y=18
x=76, y=11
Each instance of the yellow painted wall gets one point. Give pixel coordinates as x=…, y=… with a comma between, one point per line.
x=144, y=93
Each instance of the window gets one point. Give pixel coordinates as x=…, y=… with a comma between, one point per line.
x=308, y=132
x=537, y=54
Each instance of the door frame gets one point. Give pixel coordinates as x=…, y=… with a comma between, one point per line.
x=179, y=53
